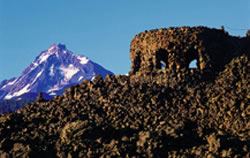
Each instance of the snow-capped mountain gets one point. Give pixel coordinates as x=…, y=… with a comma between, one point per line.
x=52, y=71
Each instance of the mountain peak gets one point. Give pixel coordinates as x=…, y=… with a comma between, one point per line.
x=61, y=46
x=54, y=48
x=52, y=71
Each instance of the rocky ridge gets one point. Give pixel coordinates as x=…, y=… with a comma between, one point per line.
x=170, y=112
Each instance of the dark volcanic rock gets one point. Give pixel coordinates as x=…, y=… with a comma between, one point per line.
x=171, y=112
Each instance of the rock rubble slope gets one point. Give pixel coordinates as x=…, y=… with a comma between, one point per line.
x=170, y=112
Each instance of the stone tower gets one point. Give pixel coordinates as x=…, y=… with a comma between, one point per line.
x=175, y=48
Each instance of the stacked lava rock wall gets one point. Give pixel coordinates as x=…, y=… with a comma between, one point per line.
x=177, y=47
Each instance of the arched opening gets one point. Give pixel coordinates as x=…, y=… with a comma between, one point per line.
x=193, y=64
x=161, y=59
x=192, y=59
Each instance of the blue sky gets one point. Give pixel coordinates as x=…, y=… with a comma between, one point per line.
x=102, y=30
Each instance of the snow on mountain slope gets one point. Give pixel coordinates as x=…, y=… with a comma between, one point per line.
x=52, y=71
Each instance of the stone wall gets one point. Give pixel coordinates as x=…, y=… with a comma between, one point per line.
x=176, y=47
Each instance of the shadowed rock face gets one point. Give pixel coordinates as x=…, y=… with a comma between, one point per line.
x=177, y=47
x=167, y=113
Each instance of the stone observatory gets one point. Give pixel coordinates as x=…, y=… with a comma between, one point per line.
x=177, y=47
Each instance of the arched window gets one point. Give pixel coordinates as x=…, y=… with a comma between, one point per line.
x=161, y=59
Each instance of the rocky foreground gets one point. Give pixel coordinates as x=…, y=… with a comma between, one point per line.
x=170, y=112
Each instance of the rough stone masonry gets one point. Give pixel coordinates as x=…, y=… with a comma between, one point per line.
x=176, y=47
